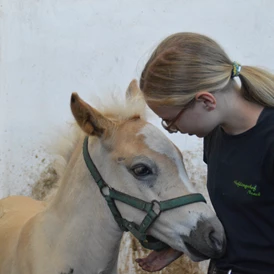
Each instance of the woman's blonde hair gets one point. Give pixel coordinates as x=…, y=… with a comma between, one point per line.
x=186, y=63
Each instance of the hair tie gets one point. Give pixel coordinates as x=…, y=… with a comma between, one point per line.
x=236, y=70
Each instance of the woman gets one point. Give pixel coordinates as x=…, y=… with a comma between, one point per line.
x=189, y=82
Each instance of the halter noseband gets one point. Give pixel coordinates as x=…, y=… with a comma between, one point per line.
x=139, y=231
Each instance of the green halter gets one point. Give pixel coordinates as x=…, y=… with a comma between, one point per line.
x=139, y=231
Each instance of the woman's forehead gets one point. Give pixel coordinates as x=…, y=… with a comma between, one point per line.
x=164, y=112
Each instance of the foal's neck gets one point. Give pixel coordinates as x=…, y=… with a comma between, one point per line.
x=86, y=232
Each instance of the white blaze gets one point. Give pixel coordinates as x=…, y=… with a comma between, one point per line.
x=161, y=144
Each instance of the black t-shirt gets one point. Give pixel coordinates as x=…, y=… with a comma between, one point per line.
x=240, y=183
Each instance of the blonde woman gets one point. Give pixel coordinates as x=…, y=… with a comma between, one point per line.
x=189, y=82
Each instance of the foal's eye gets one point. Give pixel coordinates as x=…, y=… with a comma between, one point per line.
x=141, y=170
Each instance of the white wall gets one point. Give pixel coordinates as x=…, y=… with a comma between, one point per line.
x=50, y=48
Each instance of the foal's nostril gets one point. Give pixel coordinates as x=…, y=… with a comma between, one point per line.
x=215, y=242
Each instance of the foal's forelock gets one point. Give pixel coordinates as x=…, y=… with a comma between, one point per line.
x=123, y=110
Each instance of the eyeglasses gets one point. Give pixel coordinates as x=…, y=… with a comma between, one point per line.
x=169, y=125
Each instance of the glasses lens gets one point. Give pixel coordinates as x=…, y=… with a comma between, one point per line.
x=164, y=124
x=169, y=127
x=172, y=129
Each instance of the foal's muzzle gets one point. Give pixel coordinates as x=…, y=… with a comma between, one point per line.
x=207, y=239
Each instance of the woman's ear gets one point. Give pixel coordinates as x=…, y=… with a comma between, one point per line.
x=207, y=98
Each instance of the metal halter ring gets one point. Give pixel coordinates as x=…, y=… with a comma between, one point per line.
x=156, y=207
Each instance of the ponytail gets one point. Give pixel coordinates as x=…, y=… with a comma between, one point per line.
x=257, y=85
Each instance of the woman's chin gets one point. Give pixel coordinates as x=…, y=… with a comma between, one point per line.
x=199, y=135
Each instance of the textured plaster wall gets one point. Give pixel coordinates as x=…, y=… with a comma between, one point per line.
x=50, y=48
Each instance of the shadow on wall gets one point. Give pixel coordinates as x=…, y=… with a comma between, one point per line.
x=130, y=249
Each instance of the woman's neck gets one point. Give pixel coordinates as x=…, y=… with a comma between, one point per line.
x=239, y=114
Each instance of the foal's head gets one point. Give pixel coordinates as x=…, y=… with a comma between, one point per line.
x=141, y=161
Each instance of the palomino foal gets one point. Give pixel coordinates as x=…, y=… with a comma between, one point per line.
x=76, y=232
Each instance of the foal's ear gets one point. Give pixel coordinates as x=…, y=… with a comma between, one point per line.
x=134, y=95
x=133, y=90
x=88, y=118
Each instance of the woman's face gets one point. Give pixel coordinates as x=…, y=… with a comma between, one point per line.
x=199, y=119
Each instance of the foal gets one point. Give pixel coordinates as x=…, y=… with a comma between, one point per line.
x=76, y=232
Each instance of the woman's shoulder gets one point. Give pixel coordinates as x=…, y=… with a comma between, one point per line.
x=266, y=125
x=267, y=115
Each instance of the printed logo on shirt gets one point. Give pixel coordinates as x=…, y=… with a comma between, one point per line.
x=251, y=189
